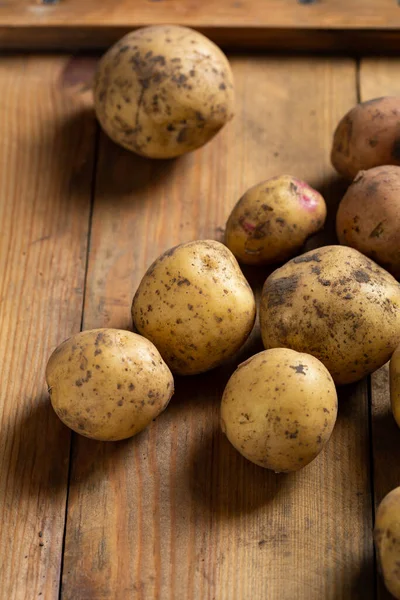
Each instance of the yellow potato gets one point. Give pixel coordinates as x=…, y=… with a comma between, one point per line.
x=279, y=409
x=273, y=220
x=368, y=217
x=368, y=136
x=164, y=90
x=387, y=540
x=395, y=384
x=337, y=305
x=195, y=305
x=108, y=384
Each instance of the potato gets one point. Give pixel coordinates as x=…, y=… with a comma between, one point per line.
x=367, y=136
x=279, y=409
x=195, y=305
x=108, y=384
x=387, y=540
x=273, y=219
x=337, y=305
x=162, y=91
x=394, y=371
x=368, y=218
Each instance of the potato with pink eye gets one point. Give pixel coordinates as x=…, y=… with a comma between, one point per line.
x=273, y=220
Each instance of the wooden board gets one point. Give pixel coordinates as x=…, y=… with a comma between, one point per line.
x=285, y=24
x=46, y=154
x=380, y=77
x=176, y=513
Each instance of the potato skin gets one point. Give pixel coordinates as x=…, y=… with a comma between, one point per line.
x=108, y=384
x=368, y=217
x=195, y=305
x=337, y=305
x=273, y=219
x=162, y=91
x=279, y=409
x=394, y=371
x=387, y=540
x=367, y=136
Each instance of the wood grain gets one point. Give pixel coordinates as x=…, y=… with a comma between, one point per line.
x=46, y=150
x=381, y=77
x=176, y=513
x=284, y=24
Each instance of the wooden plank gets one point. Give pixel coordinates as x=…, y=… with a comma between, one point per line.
x=381, y=77
x=285, y=24
x=46, y=151
x=176, y=512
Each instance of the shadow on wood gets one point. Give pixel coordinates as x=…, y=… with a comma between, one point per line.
x=31, y=465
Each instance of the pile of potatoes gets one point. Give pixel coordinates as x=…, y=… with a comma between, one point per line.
x=328, y=316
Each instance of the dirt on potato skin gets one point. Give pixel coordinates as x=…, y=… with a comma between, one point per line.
x=340, y=307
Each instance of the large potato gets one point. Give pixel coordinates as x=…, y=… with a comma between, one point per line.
x=367, y=136
x=279, y=409
x=387, y=540
x=195, y=305
x=273, y=219
x=163, y=90
x=337, y=305
x=394, y=371
x=368, y=218
x=108, y=384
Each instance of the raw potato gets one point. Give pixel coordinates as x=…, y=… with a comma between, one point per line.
x=368, y=218
x=279, y=409
x=108, y=384
x=195, y=305
x=395, y=385
x=368, y=136
x=387, y=540
x=273, y=219
x=337, y=305
x=162, y=91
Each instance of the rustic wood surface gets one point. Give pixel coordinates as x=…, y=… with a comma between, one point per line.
x=335, y=24
x=381, y=77
x=174, y=513
x=46, y=155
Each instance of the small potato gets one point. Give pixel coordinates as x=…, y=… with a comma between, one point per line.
x=108, y=384
x=368, y=136
x=279, y=409
x=368, y=218
x=164, y=90
x=394, y=370
x=195, y=305
x=273, y=220
x=337, y=305
x=387, y=540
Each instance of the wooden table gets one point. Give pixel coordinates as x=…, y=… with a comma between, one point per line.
x=174, y=513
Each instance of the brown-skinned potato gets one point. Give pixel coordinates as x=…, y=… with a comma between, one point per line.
x=387, y=540
x=195, y=305
x=368, y=217
x=163, y=90
x=337, y=305
x=108, y=384
x=367, y=136
x=279, y=409
x=273, y=219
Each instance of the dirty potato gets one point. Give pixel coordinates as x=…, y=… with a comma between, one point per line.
x=108, y=384
x=279, y=409
x=368, y=136
x=162, y=91
x=337, y=305
x=368, y=218
x=394, y=371
x=387, y=540
x=195, y=305
x=273, y=220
